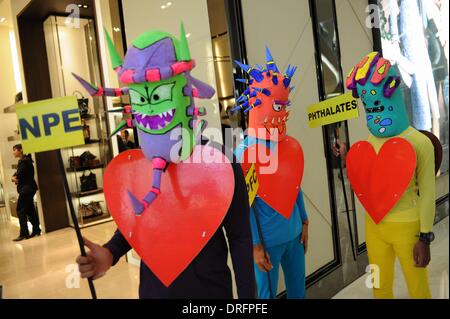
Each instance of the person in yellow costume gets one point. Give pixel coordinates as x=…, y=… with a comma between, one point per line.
x=405, y=232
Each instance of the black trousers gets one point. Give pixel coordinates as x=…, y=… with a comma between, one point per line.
x=26, y=211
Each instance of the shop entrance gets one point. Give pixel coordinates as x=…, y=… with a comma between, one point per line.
x=352, y=256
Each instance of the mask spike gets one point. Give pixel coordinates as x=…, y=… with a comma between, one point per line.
x=90, y=88
x=116, y=60
x=122, y=125
x=271, y=65
x=275, y=79
x=257, y=75
x=263, y=91
x=100, y=91
x=249, y=82
x=185, y=54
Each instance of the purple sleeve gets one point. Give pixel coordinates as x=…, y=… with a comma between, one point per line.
x=118, y=246
x=237, y=227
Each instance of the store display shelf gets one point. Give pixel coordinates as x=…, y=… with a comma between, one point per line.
x=95, y=221
x=14, y=138
x=84, y=168
x=89, y=116
x=92, y=142
x=89, y=193
x=11, y=108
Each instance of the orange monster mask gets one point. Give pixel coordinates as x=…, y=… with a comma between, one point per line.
x=266, y=99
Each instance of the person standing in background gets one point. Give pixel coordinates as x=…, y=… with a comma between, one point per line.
x=124, y=141
x=26, y=187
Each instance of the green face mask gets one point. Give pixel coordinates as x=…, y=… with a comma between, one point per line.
x=159, y=107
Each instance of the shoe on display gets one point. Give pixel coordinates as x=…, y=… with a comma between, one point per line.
x=21, y=238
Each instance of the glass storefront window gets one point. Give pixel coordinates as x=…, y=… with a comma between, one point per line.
x=414, y=36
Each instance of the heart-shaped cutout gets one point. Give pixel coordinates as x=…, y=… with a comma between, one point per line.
x=279, y=173
x=379, y=180
x=194, y=199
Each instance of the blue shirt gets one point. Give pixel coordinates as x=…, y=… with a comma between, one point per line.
x=275, y=228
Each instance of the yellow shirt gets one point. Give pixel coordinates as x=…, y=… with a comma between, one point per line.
x=418, y=201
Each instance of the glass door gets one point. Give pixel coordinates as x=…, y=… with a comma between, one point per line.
x=353, y=259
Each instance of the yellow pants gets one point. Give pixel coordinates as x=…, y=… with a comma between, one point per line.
x=385, y=242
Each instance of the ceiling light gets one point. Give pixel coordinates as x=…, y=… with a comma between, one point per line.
x=116, y=29
x=2, y=19
x=163, y=7
x=188, y=35
x=85, y=6
x=79, y=5
x=67, y=21
x=168, y=4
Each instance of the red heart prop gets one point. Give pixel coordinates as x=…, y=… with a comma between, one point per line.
x=279, y=172
x=171, y=232
x=379, y=181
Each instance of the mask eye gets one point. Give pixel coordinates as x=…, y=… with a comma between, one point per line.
x=277, y=107
x=137, y=98
x=162, y=93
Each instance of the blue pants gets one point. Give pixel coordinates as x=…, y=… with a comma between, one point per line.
x=291, y=256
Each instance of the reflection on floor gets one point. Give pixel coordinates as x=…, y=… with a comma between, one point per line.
x=41, y=267
x=438, y=272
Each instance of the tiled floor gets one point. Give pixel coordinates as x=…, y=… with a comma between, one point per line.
x=438, y=272
x=39, y=267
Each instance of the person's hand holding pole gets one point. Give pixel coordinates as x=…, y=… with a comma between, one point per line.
x=96, y=262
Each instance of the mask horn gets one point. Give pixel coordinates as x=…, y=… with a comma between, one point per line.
x=185, y=54
x=254, y=73
x=100, y=91
x=116, y=60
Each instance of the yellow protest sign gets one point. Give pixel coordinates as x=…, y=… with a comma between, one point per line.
x=50, y=124
x=341, y=108
x=251, y=179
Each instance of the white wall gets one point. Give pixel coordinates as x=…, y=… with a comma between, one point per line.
x=355, y=42
x=8, y=121
x=290, y=39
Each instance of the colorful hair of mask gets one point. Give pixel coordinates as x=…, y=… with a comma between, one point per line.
x=376, y=81
x=266, y=98
x=156, y=70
